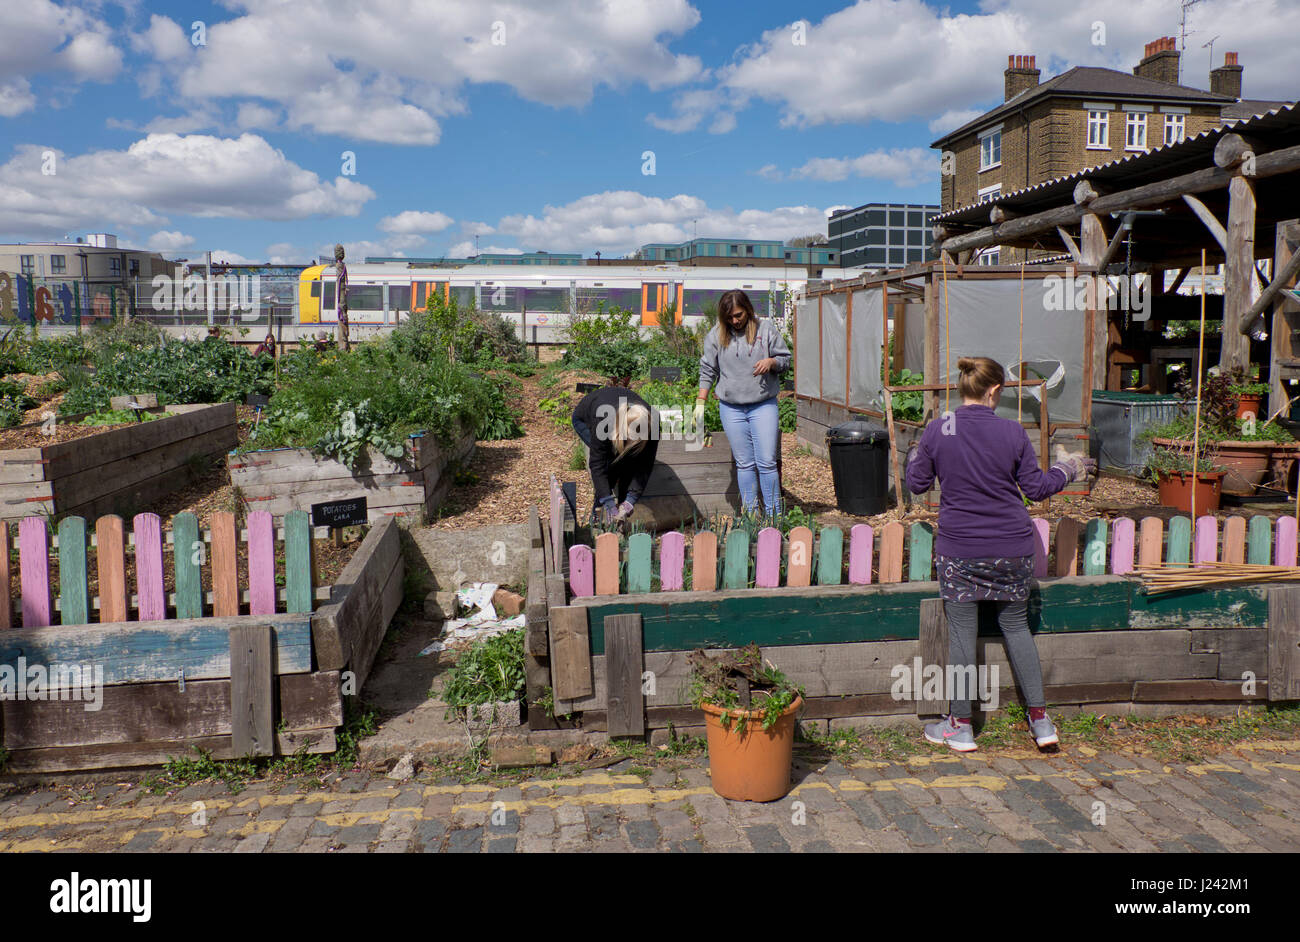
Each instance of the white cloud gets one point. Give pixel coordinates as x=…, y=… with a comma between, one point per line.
x=252, y=115
x=16, y=97
x=358, y=249
x=769, y=172
x=467, y=250
x=951, y=120
x=414, y=221
x=225, y=257
x=165, y=240
x=199, y=175
x=622, y=220
x=164, y=40
x=352, y=74
x=900, y=166
x=39, y=37
x=902, y=60
x=286, y=253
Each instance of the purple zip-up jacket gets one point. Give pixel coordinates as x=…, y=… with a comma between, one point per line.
x=983, y=463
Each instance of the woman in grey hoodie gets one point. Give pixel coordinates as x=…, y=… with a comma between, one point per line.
x=745, y=357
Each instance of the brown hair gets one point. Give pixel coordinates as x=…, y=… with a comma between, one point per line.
x=978, y=376
x=727, y=304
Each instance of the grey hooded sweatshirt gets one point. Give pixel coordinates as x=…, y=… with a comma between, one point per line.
x=733, y=368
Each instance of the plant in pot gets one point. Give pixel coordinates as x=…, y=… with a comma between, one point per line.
x=1173, y=470
x=1250, y=392
x=1250, y=453
x=749, y=712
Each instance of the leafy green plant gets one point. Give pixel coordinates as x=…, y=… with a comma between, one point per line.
x=14, y=401
x=719, y=680
x=908, y=405
x=488, y=671
x=606, y=342
x=118, y=417
x=356, y=428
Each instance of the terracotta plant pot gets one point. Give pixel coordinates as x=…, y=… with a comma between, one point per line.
x=753, y=765
x=1246, y=464
x=1175, y=489
x=1248, y=403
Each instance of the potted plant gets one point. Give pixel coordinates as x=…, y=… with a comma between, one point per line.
x=1249, y=391
x=1173, y=469
x=1251, y=454
x=749, y=713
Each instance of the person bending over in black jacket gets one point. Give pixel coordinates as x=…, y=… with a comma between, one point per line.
x=616, y=426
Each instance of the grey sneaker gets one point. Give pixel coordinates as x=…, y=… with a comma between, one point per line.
x=954, y=735
x=1044, y=732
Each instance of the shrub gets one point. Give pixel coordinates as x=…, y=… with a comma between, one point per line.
x=488, y=671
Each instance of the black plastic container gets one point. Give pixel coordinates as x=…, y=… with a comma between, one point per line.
x=859, y=453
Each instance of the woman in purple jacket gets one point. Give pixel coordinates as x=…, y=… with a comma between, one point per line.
x=984, y=547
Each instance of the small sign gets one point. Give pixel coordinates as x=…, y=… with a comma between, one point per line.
x=340, y=513
x=666, y=374
x=257, y=401
x=588, y=387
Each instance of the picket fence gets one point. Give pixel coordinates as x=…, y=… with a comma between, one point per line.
x=191, y=549
x=898, y=554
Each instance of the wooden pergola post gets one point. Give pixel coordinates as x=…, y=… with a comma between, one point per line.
x=1092, y=236
x=1284, y=320
x=1236, y=155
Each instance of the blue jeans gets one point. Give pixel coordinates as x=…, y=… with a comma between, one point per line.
x=755, y=434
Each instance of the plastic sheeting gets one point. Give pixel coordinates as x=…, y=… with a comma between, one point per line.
x=866, y=345
x=834, y=348
x=984, y=321
x=914, y=337
x=807, y=348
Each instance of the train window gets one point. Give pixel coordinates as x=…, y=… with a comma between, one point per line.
x=399, y=297
x=546, y=299
x=365, y=297
x=500, y=298
x=464, y=297
x=327, y=300
x=694, y=300
x=315, y=289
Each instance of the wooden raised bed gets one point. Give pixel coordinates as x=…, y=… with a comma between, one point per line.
x=269, y=682
x=689, y=482
x=118, y=470
x=279, y=480
x=1102, y=640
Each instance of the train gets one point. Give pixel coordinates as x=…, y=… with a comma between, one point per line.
x=543, y=296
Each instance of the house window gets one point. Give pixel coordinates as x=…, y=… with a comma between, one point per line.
x=115, y=265
x=28, y=263
x=1098, y=130
x=989, y=193
x=1135, y=131
x=990, y=257
x=991, y=149
x=58, y=264
x=1175, y=128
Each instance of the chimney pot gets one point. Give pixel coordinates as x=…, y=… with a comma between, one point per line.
x=1229, y=58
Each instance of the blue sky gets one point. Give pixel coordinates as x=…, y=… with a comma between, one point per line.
x=525, y=122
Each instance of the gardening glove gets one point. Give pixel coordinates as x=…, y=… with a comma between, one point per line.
x=1076, y=466
x=624, y=511
x=608, y=511
x=697, y=416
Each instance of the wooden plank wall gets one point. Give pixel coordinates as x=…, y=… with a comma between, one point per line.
x=284, y=479
x=118, y=470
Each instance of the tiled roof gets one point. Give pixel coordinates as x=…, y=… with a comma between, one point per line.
x=1086, y=81
x=1191, y=151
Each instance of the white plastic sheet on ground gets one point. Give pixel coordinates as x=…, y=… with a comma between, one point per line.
x=481, y=622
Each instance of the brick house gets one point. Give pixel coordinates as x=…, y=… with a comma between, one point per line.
x=1078, y=119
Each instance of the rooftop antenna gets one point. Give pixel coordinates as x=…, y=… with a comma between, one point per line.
x=1210, y=46
x=1182, y=34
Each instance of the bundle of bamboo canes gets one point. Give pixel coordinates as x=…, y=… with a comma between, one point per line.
x=1166, y=578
